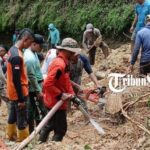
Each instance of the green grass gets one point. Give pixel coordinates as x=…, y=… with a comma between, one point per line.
x=70, y=16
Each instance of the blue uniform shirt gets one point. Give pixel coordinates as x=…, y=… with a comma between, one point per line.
x=142, y=11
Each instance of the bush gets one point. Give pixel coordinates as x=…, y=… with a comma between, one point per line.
x=70, y=16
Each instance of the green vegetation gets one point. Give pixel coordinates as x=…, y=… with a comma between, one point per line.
x=87, y=147
x=70, y=16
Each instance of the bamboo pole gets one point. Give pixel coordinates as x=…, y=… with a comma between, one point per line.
x=40, y=126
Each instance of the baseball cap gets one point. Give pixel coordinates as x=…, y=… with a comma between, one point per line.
x=39, y=40
x=89, y=27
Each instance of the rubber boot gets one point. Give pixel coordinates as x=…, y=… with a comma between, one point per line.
x=11, y=132
x=43, y=135
x=22, y=134
x=57, y=138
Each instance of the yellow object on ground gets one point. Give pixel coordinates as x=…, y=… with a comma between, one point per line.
x=11, y=132
x=22, y=134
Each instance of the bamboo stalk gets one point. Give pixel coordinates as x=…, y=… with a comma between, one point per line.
x=40, y=126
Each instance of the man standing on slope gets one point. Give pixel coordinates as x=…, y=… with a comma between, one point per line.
x=54, y=36
x=142, y=41
x=142, y=9
x=17, y=87
x=57, y=86
x=36, y=108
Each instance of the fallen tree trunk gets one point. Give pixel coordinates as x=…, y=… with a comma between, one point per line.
x=40, y=126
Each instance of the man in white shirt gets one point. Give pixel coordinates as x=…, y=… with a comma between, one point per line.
x=51, y=54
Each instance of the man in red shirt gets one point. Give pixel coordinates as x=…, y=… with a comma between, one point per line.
x=57, y=86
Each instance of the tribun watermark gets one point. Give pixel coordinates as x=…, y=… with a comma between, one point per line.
x=119, y=82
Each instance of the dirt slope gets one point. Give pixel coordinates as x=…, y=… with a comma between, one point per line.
x=82, y=136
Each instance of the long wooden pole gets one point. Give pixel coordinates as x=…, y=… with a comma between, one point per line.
x=40, y=126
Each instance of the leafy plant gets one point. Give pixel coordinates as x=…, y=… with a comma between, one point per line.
x=87, y=147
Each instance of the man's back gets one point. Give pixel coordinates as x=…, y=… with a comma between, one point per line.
x=77, y=69
x=144, y=36
x=142, y=40
x=51, y=54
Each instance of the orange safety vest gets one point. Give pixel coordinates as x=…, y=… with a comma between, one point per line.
x=11, y=90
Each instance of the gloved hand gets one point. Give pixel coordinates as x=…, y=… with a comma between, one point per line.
x=66, y=96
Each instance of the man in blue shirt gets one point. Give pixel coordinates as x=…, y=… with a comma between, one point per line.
x=142, y=9
x=54, y=36
x=78, y=63
x=142, y=41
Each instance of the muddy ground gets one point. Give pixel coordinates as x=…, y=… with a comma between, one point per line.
x=82, y=136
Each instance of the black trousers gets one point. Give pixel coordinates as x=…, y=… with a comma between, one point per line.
x=58, y=124
x=36, y=111
x=17, y=115
x=145, y=68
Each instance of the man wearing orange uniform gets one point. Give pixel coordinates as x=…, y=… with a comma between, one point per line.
x=57, y=86
x=17, y=87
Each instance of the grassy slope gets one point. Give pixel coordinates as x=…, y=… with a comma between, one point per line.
x=70, y=16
